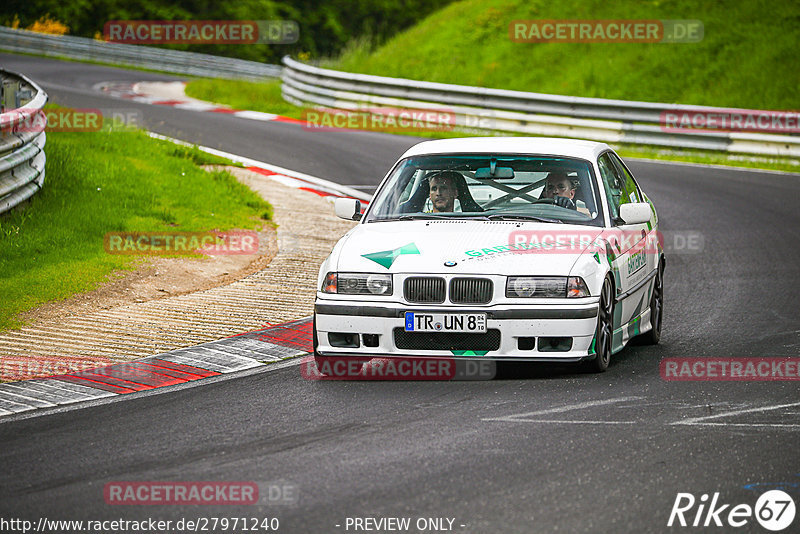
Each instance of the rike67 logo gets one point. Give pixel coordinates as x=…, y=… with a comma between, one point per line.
x=774, y=510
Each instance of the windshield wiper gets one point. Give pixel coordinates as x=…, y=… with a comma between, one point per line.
x=421, y=216
x=510, y=217
x=427, y=216
x=434, y=216
x=414, y=217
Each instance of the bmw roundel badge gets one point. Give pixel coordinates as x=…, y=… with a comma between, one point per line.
x=450, y=263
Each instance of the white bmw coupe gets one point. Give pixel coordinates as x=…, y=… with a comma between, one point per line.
x=518, y=249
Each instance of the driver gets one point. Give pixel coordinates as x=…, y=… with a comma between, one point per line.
x=443, y=191
x=561, y=188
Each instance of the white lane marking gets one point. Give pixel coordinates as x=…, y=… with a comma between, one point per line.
x=251, y=354
x=525, y=417
x=745, y=425
x=194, y=361
x=25, y=399
x=194, y=106
x=699, y=420
x=14, y=407
x=39, y=392
x=567, y=421
x=77, y=388
x=254, y=115
x=270, y=351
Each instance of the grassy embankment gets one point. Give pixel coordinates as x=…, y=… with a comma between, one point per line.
x=109, y=181
x=746, y=59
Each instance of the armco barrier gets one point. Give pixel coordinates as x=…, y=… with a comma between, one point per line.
x=22, y=156
x=148, y=57
x=612, y=121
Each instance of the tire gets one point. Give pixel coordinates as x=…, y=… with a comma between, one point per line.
x=605, y=330
x=653, y=336
x=314, y=342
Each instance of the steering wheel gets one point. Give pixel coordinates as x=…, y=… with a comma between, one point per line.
x=563, y=202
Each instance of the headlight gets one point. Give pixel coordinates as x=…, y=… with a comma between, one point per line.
x=546, y=287
x=358, y=284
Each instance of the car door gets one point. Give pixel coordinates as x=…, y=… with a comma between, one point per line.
x=629, y=259
x=651, y=250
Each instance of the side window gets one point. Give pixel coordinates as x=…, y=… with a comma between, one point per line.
x=630, y=190
x=611, y=183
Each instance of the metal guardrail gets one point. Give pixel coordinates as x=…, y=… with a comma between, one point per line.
x=611, y=121
x=148, y=57
x=22, y=156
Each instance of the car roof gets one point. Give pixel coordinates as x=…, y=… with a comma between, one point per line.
x=551, y=146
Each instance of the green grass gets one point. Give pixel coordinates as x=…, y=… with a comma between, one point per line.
x=198, y=157
x=254, y=96
x=710, y=158
x=747, y=58
x=109, y=181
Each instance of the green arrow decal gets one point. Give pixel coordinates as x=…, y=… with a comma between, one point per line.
x=386, y=258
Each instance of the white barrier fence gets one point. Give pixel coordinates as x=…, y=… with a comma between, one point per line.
x=612, y=121
x=22, y=158
x=148, y=57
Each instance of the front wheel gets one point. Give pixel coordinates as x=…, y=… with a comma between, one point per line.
x=605, y=330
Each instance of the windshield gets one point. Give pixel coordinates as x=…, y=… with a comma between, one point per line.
x=489, y=186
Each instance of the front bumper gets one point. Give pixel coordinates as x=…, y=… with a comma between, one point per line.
x=383, y=323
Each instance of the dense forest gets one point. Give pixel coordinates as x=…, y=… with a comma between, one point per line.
x=326, y=27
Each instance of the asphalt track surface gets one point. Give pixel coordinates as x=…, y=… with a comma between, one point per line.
x=538, y=449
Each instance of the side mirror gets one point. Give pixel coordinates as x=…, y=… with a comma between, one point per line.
x=635, y=212
x=347, y=208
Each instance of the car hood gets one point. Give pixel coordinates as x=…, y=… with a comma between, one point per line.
x=453, y=246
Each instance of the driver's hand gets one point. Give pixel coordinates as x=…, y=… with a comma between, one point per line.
x=565, y=202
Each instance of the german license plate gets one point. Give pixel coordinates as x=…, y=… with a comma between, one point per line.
x=445, y=322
